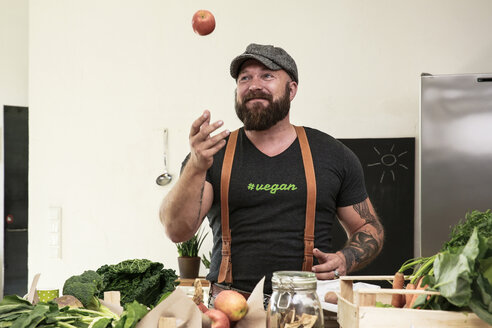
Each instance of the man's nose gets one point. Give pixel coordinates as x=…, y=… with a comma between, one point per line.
x=255, y=84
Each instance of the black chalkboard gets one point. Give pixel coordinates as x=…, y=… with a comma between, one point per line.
x=389, y=171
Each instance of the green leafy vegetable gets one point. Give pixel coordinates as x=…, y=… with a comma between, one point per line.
x=462, y=231
x=383, y=305
x=481, y=303
x=85, y=288
x=12, y=303
x=138, y=280
x=461, y=271
x=143, y=279
x=33, y=318
x=13, y=307
x=163, y=297
x=101, y=322
x=454, y=272
x=48, y=315
x=131, y=315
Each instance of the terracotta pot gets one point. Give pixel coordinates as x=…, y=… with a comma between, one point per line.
x=189, y=267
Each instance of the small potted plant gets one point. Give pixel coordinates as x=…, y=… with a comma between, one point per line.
x=206, y=261
x=188, y=259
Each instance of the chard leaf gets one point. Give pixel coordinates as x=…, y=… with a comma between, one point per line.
x=472, y=248
x=131, y=315
x=453, y=275
x=478, y=308
x=135, y=312
x=486, y=260
x=121, y=322
x=483, y=292
x=13, y=303
x=101, y=322
x=486, y=267
x=51, y=316
x=419, y=301
x=32, y=319
x=454, y=272
x=13, y=314
x=14, y=299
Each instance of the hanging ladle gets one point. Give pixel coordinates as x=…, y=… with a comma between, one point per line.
x=165, y=177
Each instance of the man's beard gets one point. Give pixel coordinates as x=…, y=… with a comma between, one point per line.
x=259, y=117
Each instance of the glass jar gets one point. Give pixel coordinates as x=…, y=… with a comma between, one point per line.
x=294, y=301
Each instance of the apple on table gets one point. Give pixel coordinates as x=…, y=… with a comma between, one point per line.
x=229, y=306
x=232, y=303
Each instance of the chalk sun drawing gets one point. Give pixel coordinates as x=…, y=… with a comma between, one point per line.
x=389, y=161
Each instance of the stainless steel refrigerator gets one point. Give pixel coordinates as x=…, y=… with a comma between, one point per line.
x=455, y=153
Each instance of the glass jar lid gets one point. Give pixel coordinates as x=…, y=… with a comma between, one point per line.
x=294, y=280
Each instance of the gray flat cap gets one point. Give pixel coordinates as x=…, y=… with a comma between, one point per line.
x=274, y=58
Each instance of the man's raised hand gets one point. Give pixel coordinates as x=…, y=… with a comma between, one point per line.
x=203, y=145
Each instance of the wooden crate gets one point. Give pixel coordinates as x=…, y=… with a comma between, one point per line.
x=356, y=309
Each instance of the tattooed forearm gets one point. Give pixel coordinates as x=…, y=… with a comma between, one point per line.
x=360, y=250
x=366, y=242
x=365, y=213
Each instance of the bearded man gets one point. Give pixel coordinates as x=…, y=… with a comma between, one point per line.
x=273, y=193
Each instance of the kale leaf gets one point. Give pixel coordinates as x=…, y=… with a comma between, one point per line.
x=138, y=280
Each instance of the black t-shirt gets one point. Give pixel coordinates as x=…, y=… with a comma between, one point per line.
x=267, y=205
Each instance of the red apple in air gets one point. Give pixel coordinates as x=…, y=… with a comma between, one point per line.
x=232, y=303
x=203, y=22
x=219, y=319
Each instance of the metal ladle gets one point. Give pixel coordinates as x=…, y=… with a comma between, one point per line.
x=165, y=177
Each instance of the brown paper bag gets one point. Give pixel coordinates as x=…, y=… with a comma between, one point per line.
x=178, y=305
x=256, y=316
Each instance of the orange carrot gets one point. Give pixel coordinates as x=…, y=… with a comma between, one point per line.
x=408, y=297
x=419, y=287
x=398, y=300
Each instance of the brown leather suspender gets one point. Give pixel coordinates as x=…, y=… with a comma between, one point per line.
x=225, y=272
x=307, y=160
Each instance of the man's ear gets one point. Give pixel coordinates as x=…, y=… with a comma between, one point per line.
x=293, y=89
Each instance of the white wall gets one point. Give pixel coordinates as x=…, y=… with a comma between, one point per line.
x=105, y=78
x=13, y=78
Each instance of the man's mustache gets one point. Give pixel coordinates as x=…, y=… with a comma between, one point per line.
x=257, y=95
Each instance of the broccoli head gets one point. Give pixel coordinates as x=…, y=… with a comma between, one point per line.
x=85, y=288
x=93, y=277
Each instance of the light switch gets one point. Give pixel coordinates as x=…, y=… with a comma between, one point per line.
x=54, y=252
x=55, y=213
x=55, y=226
x=55, y=232
x=54, y=239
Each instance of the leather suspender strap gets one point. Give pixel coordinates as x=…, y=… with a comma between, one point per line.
x=307, y=160
x=225, y=272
